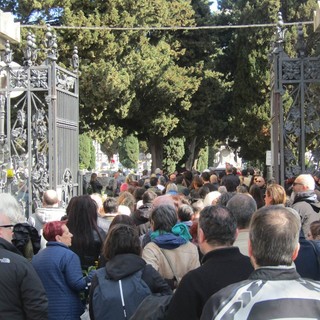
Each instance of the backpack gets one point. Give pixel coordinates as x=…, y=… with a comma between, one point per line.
x=113, y=299
x=153, y=307
x=26, y=239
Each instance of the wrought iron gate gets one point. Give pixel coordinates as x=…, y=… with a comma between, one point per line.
x=295, y=109
x=39, y=116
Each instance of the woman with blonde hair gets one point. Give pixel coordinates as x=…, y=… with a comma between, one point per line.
x=275, y=194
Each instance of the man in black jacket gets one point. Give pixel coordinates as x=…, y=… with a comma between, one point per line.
x=274, y=290
x=22, y=296
x=229, y=180
x=222, y=264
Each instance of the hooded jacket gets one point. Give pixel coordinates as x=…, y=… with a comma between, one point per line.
x=22, y=296
x=308, y=207
x=123, y=265
x=141, y=218
x=172, y=255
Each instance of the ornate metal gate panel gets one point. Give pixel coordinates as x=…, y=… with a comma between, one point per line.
x=295, y=110
x=38, y=126
x=66, y=159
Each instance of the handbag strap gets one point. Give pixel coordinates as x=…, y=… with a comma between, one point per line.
x=170, y=265
x=122, y=300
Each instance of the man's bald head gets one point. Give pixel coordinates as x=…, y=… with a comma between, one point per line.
x=50, y=199
x=163, y=200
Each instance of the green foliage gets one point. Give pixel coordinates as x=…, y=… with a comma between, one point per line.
x=173, y=152
x=131, y=81
x=93, y=157
x=203, y=159
x=85, y=143
x=203, y=86
x=245, y=62
x=87, y=152
x=206, y=121
x=110, y=147
x=143, y=147
x=129, y=152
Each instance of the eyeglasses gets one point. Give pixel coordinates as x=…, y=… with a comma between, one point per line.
x=297, y=183
x=7, y=226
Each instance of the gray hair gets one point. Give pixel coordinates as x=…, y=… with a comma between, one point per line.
x=163, y=217
x=307, y=181
x=10, y=207
x=274, y=235
x=242, y=207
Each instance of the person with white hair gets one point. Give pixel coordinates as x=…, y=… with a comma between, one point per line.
x=305, y=201
x=22, y=295
x=11, y=207
x=211, y=198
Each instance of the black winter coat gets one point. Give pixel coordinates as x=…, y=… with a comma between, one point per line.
x=123, y=265
x=22, y=296
x=219, y=268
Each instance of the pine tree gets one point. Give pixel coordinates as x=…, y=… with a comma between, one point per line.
x=245, y=63
x=129, y=152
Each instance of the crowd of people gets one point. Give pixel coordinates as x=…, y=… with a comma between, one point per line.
x=214, y=246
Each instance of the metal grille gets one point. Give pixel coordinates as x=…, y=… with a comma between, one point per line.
x=39, y=116
x=295, y=110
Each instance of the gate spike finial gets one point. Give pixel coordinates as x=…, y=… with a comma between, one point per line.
x=280, y=29
x=8, y=54
x=300, y=45
x=30, y=52
x=51, y=44
x=75, y=59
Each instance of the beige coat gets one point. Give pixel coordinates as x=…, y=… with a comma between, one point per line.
x=182, y=259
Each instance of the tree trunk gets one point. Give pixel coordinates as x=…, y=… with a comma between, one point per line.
x=156, y=149
x=191, y=151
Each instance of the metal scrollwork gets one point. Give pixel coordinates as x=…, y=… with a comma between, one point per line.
x=39, y=78
x=296, y=108
x=67, y=187
x=2, y=118
x=39, y=179
x=18, y=78
x=312, y=69
x=19, y=132
x=65, y=81
x=291, y=70
x=39, y=127
x=29, y=99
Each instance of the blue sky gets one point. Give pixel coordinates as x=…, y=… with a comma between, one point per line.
x=214, y=5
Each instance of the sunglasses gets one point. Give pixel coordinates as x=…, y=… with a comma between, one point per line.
x=297, y=183
x=7, y=226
